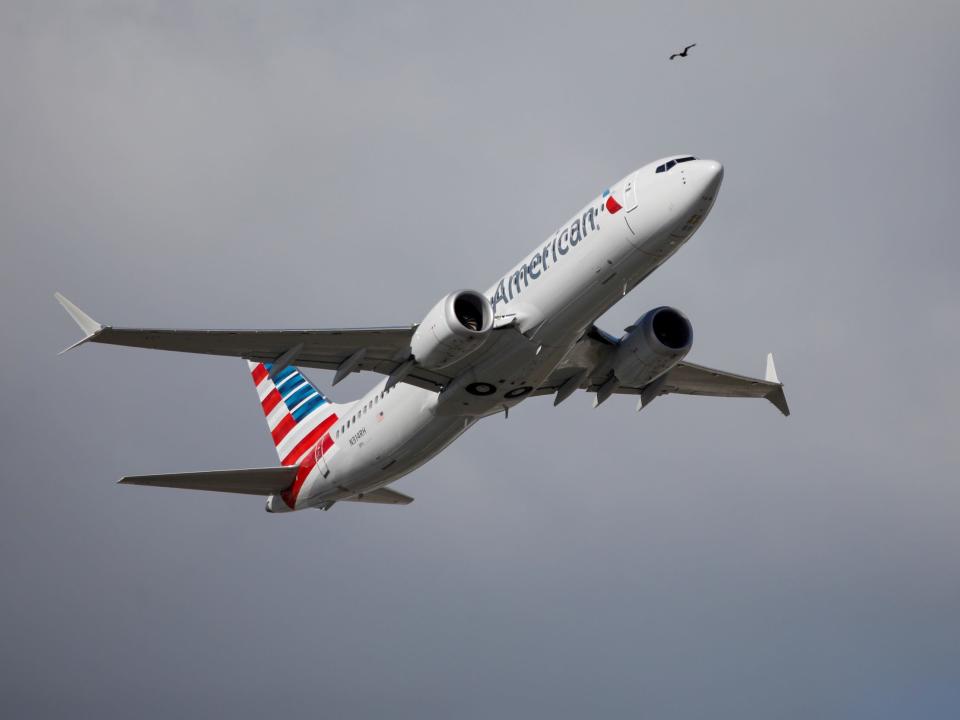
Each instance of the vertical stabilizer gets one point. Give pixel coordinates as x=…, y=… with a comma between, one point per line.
x=298, y=415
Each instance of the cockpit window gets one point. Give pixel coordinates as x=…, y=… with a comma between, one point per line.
x=669, y=165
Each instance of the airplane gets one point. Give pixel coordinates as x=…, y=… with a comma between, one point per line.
x=532, y=333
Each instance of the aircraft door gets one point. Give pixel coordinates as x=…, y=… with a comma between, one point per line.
x=630, y=193
x=630, y=201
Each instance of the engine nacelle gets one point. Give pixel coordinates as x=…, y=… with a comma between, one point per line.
x=456, y=326
x=652, y=346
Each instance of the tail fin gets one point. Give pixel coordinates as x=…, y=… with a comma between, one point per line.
x=297, y=413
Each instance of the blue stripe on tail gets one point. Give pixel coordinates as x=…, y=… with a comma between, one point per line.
x=308, y=407
x=299, y=395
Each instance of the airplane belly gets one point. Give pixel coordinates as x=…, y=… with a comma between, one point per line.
x=551, y=315
x=570, y=299
x=604, y=272
x=403, y=433
x=426, y=444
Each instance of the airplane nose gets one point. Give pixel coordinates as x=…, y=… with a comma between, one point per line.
x=711, y=173
x=702, y=178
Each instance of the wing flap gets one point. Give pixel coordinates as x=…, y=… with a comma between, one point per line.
x=247, y=481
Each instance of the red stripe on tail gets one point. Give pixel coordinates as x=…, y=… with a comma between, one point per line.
x=271, y=401
x=286, y=424
x=309, y=440
x=309, y=462
x=259, y=373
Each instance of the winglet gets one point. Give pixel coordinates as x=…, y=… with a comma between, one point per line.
x=779, y=400
x=776, y=396
x=89, y=326
x=771, y=375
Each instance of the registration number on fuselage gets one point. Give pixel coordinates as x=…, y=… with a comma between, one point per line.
x=359, y=434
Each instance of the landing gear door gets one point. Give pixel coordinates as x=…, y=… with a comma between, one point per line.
x=630, y=193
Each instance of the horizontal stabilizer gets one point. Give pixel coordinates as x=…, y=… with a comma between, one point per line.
x=248, y=481
x=383, y=496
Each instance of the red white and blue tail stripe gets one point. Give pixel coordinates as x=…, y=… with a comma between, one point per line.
x=299, y=417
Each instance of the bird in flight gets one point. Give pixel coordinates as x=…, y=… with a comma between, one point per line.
x=684, y=53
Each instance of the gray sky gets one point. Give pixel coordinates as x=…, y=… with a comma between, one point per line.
x=286, y=165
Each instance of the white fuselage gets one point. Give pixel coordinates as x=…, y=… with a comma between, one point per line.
x=551, y=298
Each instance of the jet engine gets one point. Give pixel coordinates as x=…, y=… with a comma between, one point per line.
x=456, y=326
x=652, y=346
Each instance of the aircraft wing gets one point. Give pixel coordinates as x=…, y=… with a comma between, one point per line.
x=589, y=362
x=689, y=379
x=380, y=350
